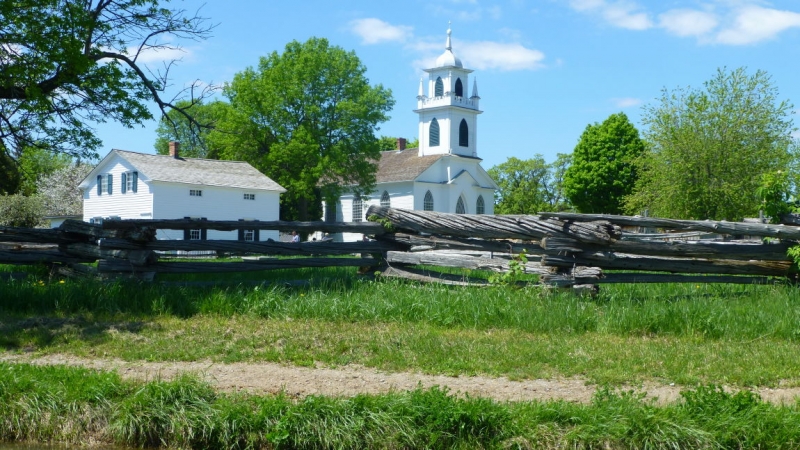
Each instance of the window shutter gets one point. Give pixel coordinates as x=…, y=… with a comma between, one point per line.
x=124, y=188
x=99, y=185
x=135, y=186
x=203, y=232
x=110, y=185
x=256, y=235
x=187, y=233
x=241, y=231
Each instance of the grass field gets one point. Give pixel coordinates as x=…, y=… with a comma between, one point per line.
x=698, y=336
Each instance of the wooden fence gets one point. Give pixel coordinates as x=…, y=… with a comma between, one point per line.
x=563, y=249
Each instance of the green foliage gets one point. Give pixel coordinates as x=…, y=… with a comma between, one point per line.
x=529, y=186
x=602, y=171
x=307, y=119
x=195, y=142
x=710, y=149
x=386, y=143
x=515, y=272
x=66, y=64
x=387, y=224
x=9, y=174
x=35, y=163
x=21, y=211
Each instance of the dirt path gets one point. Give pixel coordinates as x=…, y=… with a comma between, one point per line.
x=346, y=381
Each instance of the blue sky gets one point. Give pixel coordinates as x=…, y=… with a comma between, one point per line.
x=545, y=68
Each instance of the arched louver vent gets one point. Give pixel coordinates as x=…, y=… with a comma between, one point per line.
x=433, y=137
x=459, y=88
x=463, y=134
x=438, y=89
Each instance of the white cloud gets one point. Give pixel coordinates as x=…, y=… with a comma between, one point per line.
x=626, y=102
x=687, y=22
x=374, y=31
x=621, y=13
x=502, y=56
x=754, y=24
x=156, y=55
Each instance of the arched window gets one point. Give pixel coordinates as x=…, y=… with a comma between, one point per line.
x=358, y=210
x=433, y=134
x=480, y=208
x=438, y=89
x=385, y=200
x=463, y=133
x=427, y=204
x=459, y=88
x=460, y=208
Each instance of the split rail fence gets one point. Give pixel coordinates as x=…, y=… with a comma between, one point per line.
x=563, y=249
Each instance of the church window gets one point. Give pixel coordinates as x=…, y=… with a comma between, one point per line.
x=438, y=89
x=459, y=88
x=463, y=134
x=385, y=201
x=433, y=135
x=460, y=208
x=480, y=208
x=358, y=210
x=427, y=204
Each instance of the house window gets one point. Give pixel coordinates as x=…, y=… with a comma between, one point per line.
x=427, y=203
x=195, y=234
x=195, y=193
x=358, y=210
x=460, y=209
x=480, y=208
x=105, y=184
x=249, y=196
x=433, y=137
x=96, y=220
x=249, y=235
x=385, y=201
x=459, y=88
x=463, y=134
x=129, y=183
x=438, y=89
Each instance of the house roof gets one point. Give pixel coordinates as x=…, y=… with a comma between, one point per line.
x=204, y=172
x=403, y=165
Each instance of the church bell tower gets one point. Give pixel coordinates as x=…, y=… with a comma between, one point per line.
x=448, y=116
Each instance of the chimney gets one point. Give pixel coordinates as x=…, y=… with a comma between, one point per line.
x=401, y=143
x=174, y=149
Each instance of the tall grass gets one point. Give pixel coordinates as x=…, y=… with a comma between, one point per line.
x=60, y=404
x=702, y=311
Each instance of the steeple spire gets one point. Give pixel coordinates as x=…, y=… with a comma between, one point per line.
x=448, y=46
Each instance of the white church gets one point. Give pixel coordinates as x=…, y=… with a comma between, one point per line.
x=444, y=174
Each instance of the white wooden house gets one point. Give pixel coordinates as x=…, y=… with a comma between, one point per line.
x=131, y=185
x=444, y=174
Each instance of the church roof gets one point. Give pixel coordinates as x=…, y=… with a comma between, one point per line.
x=403, y=165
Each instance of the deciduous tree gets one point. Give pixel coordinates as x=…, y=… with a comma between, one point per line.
x=65, y=64
x=195, y=143
x=306, y=118
x=602, y=172
x=710, y=148
x=529, y=186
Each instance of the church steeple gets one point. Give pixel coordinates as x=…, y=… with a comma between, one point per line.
x=448, y=115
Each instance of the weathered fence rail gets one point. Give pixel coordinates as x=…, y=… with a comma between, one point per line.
x=563, y=249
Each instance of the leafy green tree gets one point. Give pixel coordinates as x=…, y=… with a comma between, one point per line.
x=9, y=175
x=711, y=148
x=529, y=186
x=390, y=143
x=35, y=163
x=306, y=118
x=602, y=172
x=67, y=63
x=195, y=143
